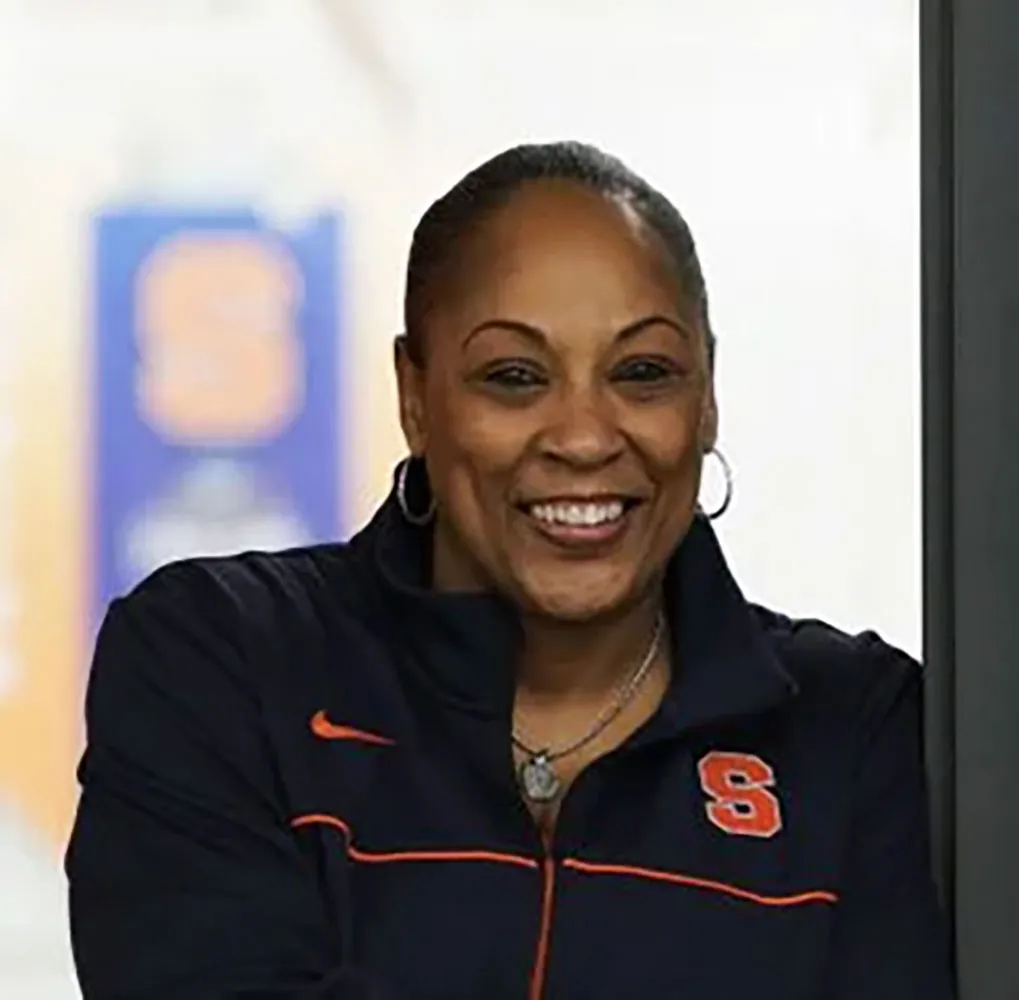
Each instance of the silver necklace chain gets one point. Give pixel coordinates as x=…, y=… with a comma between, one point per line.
x=538, y=778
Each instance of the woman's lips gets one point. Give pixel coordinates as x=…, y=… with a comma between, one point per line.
x=575, y=522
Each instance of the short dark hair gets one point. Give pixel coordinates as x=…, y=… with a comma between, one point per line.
x=488, y=186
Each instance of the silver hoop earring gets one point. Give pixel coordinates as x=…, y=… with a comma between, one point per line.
x=729, y=486
x=401, y=497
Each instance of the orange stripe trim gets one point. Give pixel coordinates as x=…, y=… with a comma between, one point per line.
x=548, y=868
x=589, y=868
x=376, y=858
x=545, y=930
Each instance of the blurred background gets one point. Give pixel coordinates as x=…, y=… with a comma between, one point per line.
x=205, y=207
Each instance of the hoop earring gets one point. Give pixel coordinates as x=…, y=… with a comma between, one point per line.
x=401, y=497
x=729, y=488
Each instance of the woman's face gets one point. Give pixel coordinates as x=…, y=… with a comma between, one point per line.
x=564, y=407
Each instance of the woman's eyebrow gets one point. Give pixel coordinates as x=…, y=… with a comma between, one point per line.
x=539, y=336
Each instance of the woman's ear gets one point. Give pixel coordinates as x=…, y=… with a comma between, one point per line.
x=411, y=389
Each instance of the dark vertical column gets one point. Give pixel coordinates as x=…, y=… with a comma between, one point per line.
x=938, y=322
x=970, y=129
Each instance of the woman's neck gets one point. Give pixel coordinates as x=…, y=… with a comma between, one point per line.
x=586, y=659
x=560, y=661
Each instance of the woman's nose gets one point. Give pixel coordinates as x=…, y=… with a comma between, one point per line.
x=583, y=430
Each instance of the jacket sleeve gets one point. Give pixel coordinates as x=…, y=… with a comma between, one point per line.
x=185, y=881
x=889, y=940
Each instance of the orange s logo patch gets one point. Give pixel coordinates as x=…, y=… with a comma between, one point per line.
x=738, y=786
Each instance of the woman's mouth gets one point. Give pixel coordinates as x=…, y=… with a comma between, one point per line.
x=578, y=522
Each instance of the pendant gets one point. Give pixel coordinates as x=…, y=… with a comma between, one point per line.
x=538, y=778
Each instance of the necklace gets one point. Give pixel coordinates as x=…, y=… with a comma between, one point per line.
x=538, y=778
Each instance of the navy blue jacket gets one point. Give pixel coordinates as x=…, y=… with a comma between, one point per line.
x=298, y=785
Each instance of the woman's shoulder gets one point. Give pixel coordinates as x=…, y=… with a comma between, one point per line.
x=854, y=671
x=214, y=638
x=249, y=588
x=235, y=615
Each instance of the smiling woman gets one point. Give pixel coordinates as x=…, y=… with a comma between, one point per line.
x=527, y=696
x=566, y=366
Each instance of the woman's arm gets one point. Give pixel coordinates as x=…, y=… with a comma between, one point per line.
x=889, y=938
x=185, y=881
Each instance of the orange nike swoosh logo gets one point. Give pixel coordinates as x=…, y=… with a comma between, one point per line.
x=326, y=730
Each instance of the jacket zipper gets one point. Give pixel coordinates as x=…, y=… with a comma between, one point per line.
x=548, y=875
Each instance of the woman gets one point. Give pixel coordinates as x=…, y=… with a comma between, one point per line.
x=522, y=736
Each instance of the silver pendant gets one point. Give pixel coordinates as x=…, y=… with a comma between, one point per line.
x=538, y=778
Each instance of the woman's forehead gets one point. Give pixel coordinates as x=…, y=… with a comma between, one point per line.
x=554, y=246
x=553, y=215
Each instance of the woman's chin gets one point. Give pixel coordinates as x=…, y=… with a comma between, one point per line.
x=577, y=593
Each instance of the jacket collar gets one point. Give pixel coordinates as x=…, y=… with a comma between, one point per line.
x=726, y=665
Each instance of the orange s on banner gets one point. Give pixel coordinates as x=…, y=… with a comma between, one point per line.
x=217, y=410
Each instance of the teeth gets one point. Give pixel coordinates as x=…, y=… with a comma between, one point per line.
x=578, y=514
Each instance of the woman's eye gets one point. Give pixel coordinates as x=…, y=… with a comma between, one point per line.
x=514, y=377
x=644, y=371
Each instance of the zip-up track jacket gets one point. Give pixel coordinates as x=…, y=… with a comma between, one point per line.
x=298, y=785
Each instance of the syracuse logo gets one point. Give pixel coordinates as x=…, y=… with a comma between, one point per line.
x=739, y=787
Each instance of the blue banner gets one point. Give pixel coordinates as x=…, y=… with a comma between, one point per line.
x=215, y=388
